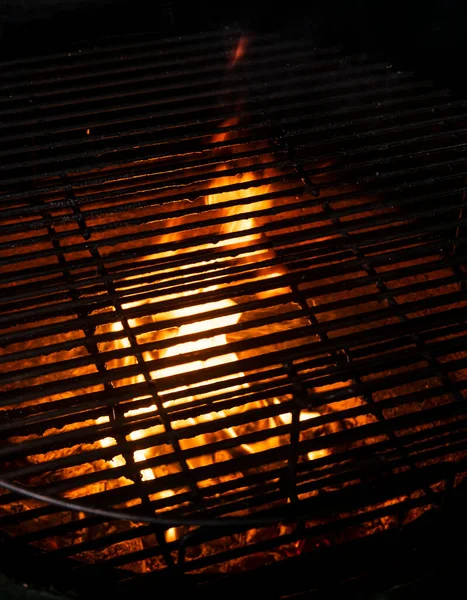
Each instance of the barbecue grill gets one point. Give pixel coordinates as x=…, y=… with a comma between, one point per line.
x=233, y=309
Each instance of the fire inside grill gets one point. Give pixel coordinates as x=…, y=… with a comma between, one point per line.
x=232, y=298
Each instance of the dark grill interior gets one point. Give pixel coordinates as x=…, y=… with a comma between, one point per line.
x=232, y=287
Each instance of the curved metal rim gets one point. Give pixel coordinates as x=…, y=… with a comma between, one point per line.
x=117, y=514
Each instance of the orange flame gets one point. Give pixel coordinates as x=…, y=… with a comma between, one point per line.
x=203, y=327
x=240, y=50
x=207, y=340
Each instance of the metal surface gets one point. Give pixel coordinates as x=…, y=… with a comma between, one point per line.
x=333, y=264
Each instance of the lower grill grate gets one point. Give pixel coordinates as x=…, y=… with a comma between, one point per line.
x=233, y=305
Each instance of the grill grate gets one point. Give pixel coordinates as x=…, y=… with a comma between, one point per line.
x=299, y=212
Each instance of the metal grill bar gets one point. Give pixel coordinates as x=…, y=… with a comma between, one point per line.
x=409, y=86
x=166, y=45
x=196, y=82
